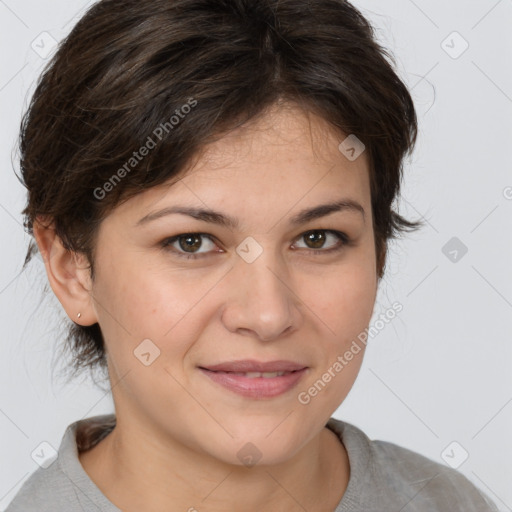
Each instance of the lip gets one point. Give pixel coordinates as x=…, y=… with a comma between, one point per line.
x=256, y=387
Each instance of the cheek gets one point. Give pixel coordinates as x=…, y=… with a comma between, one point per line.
x=344, y=305
x=162, y=305
x=344, y=309
x=345, y=299
x=144, y=300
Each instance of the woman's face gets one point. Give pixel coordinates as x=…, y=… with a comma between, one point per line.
x=179, y=314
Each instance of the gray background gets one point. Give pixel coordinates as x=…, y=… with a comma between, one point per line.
x=439, y=372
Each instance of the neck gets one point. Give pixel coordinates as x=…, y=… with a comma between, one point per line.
x=137, y=470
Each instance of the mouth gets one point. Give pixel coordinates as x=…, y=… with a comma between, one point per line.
x=254, y=379
x=255, y=375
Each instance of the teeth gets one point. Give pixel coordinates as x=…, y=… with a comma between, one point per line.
x=266, y=375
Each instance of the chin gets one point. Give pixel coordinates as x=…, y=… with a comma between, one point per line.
x=266, y=441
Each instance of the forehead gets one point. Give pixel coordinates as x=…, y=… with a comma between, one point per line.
x=284, y=157
x=284, y=131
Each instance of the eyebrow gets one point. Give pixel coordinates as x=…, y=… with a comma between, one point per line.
x=206, y=215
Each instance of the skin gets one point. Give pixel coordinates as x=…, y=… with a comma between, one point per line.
x=178, y=433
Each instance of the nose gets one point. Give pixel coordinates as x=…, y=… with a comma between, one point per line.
x=259, y=298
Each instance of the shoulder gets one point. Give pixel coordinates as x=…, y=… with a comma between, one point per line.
x=64, y=485
x=43, y=491
x=390, y=475
x=433, y=483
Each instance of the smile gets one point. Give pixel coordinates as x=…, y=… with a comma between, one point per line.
x=256, y=384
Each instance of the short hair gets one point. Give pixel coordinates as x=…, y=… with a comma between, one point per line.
x=191, y=71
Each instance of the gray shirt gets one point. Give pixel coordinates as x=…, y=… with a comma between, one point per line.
x=384, y=477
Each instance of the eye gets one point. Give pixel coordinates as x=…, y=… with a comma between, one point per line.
x=188, y=244
x=315, y=240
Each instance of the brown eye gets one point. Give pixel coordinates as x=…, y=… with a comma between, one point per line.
x=190, y=242
x=315, y=239
x=188, y=245
x=322, y=241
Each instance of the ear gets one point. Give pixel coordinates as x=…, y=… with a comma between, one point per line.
x=68, y=274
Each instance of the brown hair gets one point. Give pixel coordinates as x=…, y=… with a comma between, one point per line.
x=190, y=70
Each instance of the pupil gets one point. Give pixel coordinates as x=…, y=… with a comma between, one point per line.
x=316, y=238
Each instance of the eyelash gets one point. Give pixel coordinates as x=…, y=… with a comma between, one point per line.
x=342, y=237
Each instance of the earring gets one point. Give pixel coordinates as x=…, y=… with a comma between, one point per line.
x=79, y=315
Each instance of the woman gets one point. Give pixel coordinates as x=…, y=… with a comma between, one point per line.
x=210, y=185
